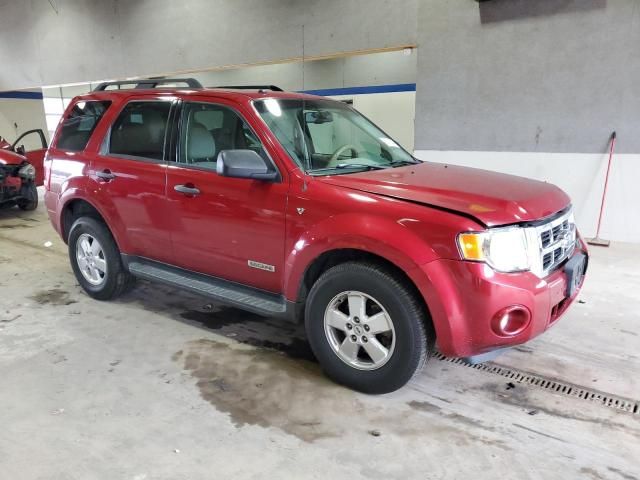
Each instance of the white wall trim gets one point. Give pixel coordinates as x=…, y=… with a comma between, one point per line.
x=580, y=175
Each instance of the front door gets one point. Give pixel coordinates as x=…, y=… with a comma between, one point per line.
x=130, y=177
x=226, y=227
x=33, y=145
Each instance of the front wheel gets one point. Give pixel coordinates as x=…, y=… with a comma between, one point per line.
x=29, y=200
x=367, y=327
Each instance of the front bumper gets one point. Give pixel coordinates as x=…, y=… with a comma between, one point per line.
x=11, y=188
x=463, y=298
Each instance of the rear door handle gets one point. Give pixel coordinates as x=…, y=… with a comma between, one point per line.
x=105, y=175
x=187, y=189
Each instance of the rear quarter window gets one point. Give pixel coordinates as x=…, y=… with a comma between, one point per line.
x=79, y=124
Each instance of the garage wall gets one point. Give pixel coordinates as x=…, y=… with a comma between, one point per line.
x=538, y=80
x=395, y=67
x=17, y=115
x=392, y=110
x=535, y=89
x=380, y=85
x=78, y=40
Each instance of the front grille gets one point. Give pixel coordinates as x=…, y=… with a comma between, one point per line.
x=7, y=192
x=551, y=235
x=556, y=241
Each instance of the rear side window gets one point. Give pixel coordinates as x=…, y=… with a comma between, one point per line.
x=140, y=130
x=79, y=124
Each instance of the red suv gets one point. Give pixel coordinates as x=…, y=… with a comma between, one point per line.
x=297, y=206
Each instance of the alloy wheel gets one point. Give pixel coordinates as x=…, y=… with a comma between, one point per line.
x=91, y=259
x=359, y=330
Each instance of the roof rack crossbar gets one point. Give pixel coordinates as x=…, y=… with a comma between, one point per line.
x=252, y=87
x=149, y=83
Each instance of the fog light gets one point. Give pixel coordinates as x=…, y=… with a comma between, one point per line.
x=511, y=321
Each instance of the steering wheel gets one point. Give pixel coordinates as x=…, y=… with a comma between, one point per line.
x=340, y=151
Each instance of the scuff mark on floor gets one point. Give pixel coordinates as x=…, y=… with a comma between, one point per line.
x=518, y=396
x=9, y=320
x=14, y=226
x=624, y=475
x=53, y=296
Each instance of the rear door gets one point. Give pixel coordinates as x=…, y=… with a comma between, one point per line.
x=230, y=228
x=130, y=175
x=33, y=145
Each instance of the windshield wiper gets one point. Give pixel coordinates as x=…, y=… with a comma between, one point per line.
x=368, y=166
x=400, y=163
x=345, y=166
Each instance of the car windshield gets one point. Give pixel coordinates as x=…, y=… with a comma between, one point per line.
x=327, y=137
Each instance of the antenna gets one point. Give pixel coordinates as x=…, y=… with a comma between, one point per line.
x=304, y=172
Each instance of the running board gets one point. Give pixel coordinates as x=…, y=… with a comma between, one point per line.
x=241, y=296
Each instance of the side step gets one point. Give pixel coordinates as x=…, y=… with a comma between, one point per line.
x=246, y=298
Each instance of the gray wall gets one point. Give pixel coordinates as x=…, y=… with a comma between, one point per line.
x=505, y=75
x=528, y=75
x=90, y=40
x=355, y=71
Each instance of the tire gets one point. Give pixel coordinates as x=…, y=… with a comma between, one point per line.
x=409, y=342
x=112, y=279
x=30, y=198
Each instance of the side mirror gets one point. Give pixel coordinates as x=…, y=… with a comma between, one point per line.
x=244, y=164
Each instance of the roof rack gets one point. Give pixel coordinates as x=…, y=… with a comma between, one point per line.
x=149, y=83
x=252, y=87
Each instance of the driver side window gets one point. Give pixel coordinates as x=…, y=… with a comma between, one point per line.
x=209, y=129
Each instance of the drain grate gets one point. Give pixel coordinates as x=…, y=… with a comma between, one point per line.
x=563, y=388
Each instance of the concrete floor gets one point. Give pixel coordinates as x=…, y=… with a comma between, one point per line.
x=163, y=385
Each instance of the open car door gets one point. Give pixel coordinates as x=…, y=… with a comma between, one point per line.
x=37, y=147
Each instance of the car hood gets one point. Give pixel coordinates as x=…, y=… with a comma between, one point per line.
x=491, y=198
x=8, y=157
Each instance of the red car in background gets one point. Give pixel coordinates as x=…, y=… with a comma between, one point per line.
x=21, y=171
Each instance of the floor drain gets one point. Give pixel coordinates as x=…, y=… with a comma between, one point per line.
x=563, y=388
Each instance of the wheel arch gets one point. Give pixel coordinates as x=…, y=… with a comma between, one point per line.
x=337, y=256
x=360, y=235
x=76, y=208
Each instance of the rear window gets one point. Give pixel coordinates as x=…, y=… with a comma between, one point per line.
x=140, y=130
x=79, y=124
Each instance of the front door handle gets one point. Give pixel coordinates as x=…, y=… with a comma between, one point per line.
x=188, y=189
x=105, y=175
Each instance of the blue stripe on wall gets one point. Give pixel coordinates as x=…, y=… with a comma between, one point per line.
x=324, y=92
x=22, y=95
x=329, y=92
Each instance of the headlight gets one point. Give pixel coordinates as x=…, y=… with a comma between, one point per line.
x=505, y=249
x=28, y=172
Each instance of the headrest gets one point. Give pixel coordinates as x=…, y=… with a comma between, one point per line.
x=201, y=144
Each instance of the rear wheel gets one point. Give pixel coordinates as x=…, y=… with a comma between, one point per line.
x=29, y=200
x=367, y=328
x=96, y=261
